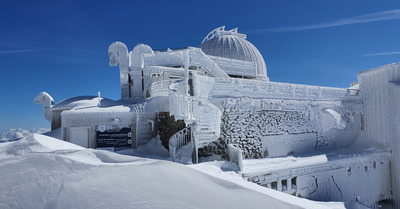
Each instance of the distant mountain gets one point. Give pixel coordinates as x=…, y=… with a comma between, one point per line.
x=15, y=134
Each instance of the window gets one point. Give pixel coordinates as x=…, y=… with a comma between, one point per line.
x=294, y=182
x=274, y=185
x=284, y=185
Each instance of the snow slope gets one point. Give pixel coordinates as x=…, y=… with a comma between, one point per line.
x=42, y=172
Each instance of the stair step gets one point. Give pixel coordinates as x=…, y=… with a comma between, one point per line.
x=199, y=134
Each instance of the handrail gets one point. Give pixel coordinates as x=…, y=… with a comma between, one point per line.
x=162, y=87
x=139, y=108
x=178, y=140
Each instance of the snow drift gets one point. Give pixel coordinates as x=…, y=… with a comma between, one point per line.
x=42, y=172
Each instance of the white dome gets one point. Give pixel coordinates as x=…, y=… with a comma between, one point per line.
x=231, y=44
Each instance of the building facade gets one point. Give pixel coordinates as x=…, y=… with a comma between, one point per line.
x=217, y=98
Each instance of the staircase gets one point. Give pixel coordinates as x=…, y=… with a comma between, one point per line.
x=200, y=59
x=203, y=117
x=206, y=128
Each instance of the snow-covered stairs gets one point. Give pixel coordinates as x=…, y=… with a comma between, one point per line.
x=202, y=116
x=206, y=127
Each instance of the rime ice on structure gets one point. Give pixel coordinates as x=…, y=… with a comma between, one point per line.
x=315, y=142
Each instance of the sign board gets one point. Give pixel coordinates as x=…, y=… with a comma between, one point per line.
x=111, y=138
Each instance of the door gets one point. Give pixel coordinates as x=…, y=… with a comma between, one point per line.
x=79, y=136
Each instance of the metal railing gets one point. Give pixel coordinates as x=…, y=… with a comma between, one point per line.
x=178, y=140
x=162, y=87
x=182, y=106
x=139, y=108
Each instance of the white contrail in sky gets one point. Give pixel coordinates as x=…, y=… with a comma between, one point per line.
x=383, y=53
x=17, y=51
x=380, y=16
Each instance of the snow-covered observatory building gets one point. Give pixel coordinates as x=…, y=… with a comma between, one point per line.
x=315, y=142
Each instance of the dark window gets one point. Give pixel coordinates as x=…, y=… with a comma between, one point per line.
x=294, y=182
x=274, y=185
x=284, y=185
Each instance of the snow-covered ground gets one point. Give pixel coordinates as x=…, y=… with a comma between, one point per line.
x=39, y=171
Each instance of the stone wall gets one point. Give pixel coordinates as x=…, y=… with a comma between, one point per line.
x=168, y=126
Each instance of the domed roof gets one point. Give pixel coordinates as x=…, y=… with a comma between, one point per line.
x=231, y=44
x=81, y=102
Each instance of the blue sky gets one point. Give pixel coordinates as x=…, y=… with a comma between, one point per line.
x=61, y=46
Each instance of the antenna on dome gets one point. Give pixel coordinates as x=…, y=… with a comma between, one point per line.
x=221, y=31
x=213, y=33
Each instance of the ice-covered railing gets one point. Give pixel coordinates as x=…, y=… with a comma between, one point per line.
x=139, y=108
x=162, y=87
x=178, y=140
x=180, y=86
x=180, y=103
x=182, y=106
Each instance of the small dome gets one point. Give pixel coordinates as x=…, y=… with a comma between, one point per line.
x=81, y=102
x=231, y=44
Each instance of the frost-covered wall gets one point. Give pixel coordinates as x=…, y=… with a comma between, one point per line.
x=56, y=119
x=380, y=96
x=206, y=87
x=394, y=89
x=374, y=91
x=146, y=127
x=274, y=127
x=279, y=119
x=362, y=177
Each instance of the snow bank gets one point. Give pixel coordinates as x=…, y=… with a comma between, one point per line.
x=36, y=172
x=53, y=144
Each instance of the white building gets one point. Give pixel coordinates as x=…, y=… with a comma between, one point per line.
x=315, y=142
